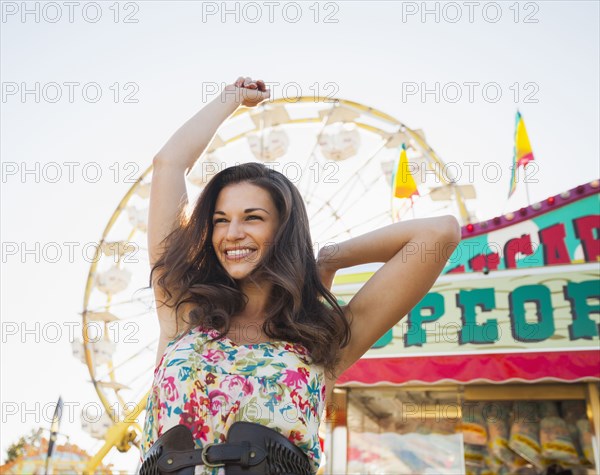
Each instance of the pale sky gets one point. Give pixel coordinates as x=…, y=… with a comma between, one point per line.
x=544, y=62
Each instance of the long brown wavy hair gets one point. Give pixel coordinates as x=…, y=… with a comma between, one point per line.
x=300, y=308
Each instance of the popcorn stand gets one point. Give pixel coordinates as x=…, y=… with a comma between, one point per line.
x=497, y=369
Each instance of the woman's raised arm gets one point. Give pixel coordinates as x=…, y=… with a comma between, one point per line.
x=168, y=195
x=414, y=253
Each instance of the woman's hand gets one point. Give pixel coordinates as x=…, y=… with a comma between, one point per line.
x=326, y=265
x=248, y=92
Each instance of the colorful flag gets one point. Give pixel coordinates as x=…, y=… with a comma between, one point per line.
x=522, y=153
x=403, y=183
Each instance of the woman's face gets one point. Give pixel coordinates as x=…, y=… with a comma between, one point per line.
x=245, y=222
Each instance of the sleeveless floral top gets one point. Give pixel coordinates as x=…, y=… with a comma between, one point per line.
x=208, y=386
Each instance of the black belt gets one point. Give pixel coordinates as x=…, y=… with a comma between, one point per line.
x=251, y=449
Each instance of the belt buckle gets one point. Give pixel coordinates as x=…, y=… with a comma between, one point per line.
x=205, y=461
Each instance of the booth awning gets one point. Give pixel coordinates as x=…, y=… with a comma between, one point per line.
x=567, y=366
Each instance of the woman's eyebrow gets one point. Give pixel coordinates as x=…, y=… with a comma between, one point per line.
x=248, y=210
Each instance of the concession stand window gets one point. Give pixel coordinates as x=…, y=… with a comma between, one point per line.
x=394, y=431
x=469, y=429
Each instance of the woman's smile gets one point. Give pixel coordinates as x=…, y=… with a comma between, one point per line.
x=237, y=254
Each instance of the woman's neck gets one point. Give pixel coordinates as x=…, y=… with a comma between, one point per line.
x=258, y=299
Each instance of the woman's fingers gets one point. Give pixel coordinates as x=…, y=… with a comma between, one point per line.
x=259, y=87
x=249, y=83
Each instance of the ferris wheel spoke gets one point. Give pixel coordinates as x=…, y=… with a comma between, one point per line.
x=347, y=230
x=352, y=177
x=349, y=193
x=307, y=193
x=120, y=303
x=144, y=374
x=327, y=220
x=128, y=359
x=358, y=198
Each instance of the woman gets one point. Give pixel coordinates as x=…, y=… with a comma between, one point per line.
x=249, y=329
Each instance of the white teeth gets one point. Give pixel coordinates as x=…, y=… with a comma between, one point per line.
x=239, y=252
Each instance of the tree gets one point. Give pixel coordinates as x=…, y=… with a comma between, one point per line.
x=17, y=449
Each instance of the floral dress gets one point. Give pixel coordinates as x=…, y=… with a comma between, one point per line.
x=208, y=386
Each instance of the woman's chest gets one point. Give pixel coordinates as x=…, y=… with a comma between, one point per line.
x=219, y=362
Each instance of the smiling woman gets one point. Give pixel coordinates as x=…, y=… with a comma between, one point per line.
x=241, y=296
x=243, y=260
x=249, y=262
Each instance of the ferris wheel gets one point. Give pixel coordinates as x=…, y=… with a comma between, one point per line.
x=340, y=154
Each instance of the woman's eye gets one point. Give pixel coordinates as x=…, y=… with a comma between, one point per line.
x=220, y=220
x=254, y=217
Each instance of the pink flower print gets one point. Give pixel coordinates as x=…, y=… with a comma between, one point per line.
x=159, y=367
x=296, y=379
x=196, y=425
x=170, y=389
x=203, y=401
x=297, y=348
x=201, y=431
x=301, y=403
x=214, y=356
x=186, y=419
x=295, y=436
x=218, y=401
x=193, y=417
x=235, y=383
x=163, y=411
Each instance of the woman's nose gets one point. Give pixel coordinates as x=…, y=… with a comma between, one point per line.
x=235, y=231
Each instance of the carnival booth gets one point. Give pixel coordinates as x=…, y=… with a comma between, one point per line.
x=31, y=457
x=497, y=369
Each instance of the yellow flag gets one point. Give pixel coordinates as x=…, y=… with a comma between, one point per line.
x=404, y=185
x=522, y=153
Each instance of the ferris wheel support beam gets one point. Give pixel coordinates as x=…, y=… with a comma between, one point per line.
x=118, y=435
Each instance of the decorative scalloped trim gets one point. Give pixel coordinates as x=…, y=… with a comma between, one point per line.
x=418, y=382
x=528, y=212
